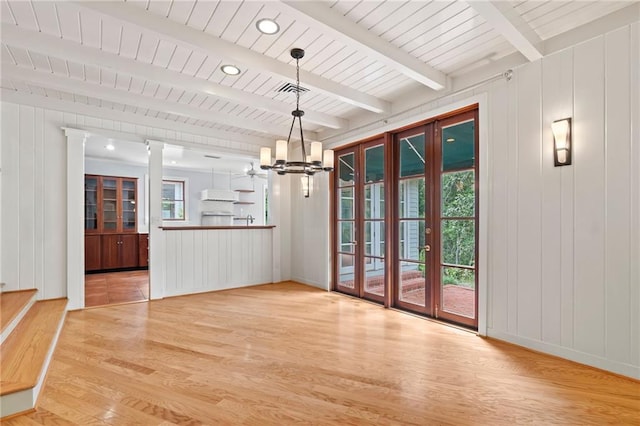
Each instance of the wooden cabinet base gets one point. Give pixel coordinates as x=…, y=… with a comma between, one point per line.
x=111, y=252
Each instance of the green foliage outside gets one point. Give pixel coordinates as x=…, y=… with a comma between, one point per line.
x=458, y=235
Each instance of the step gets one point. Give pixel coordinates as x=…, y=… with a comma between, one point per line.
x=13, y=307
x=25, y=355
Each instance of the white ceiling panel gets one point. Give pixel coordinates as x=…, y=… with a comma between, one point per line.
x=22, y=13
x=6, y=14
x=202, y=11
x=576, y=14
x=380, y=13
x=45, y=13
x=417, y=22
x=398, y=17
x=359, y=10
x=161, y=7
x=164, y=53
x=222, y=17
x=125, y=54
x=180, y=11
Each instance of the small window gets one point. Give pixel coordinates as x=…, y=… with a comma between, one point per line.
x=173, y=205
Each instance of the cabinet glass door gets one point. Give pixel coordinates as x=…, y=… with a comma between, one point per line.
x=110, y=204
x=91, y=203
x=128, y=205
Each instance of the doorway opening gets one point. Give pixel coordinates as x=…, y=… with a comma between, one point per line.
x=115, y=224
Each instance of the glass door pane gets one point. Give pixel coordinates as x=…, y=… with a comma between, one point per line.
x=456, y=294
x=91, y=203
x=109, y=204
x=412, y=286
x=374, y=223
x=128, y=205
x=346, y=239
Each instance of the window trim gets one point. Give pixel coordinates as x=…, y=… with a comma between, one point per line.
x=185, y=188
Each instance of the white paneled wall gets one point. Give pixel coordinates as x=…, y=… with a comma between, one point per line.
x=33, y=229
x=310, y=218
x=196, y=261
x=33, y=205
x=561, y=253
x=563, y=249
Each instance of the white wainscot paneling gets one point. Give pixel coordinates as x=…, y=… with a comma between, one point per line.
x=589, y=195
x=33, y=201
x=528, y=209
x=203, y=260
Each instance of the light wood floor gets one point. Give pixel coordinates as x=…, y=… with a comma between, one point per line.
x=115, y=287
x=286, y=353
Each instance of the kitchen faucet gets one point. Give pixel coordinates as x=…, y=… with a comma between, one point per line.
x=250, y=218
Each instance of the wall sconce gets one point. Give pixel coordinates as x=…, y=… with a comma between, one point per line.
x=306, y=185
x=561, y=142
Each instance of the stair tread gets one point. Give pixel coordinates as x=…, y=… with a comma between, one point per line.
x=11, y=304
x=23, y=354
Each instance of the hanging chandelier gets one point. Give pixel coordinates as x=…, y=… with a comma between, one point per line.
x=308, y=164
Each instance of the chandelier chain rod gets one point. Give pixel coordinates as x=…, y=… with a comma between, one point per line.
x=304, y=151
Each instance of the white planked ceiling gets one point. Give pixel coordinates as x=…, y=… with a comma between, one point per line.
x=161, y=59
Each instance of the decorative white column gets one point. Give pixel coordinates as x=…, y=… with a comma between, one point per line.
x=156, y=235
x=75, y=217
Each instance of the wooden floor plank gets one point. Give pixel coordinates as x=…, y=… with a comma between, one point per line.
x=23, y=354
x=116, y=287
x=11, y=303
x=286, y=353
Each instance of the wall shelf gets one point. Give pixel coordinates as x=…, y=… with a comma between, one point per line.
x=244, y=202
x=244, y=190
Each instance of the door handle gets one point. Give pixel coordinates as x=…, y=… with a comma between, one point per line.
x=427, y=247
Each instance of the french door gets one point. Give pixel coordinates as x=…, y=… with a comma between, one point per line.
x=416, y=189
x=360, y=221
x=435, y=229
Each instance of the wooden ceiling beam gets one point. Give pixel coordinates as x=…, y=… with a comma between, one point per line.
x=506, y=21
x=329, y=21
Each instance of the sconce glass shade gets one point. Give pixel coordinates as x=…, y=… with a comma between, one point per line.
x=306, y=185
x=561, y=141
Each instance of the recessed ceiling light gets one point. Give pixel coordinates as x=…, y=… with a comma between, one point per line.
x=230, y=69
x=267, y=26
x=451, y=140
x=110, y=146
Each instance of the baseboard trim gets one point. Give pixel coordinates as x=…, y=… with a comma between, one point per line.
x=620, y=368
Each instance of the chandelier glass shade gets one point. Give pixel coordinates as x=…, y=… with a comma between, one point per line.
x=308, y=164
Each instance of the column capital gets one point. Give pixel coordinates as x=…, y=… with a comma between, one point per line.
x=75, y=133
x=151, y=143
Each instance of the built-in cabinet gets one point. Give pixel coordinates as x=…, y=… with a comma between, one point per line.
x=119, y=251
x=109, y=204
x=115, y=251
x=111, y=238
